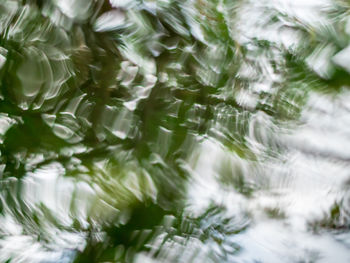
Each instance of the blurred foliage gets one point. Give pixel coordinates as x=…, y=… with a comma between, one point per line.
x=120, y=95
